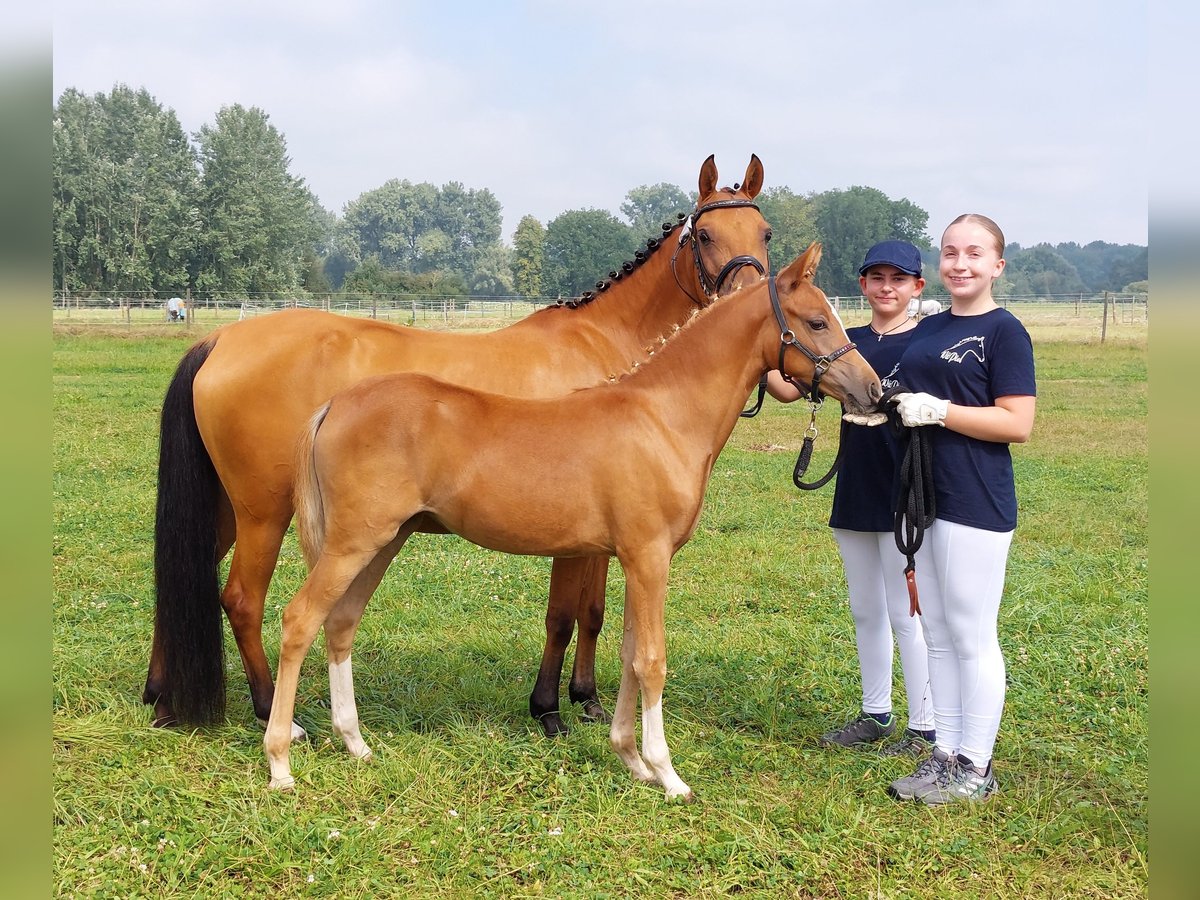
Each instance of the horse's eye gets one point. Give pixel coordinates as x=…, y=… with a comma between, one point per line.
x=704, y=238
x=767, y=237
x=818, y=325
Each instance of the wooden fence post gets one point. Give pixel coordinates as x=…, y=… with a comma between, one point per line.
x=1104, y=320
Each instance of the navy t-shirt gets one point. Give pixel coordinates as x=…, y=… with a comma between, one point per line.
x=862, y=495
x=971, y=360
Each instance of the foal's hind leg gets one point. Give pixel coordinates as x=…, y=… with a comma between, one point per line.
x=340, y=629
x=327, y=583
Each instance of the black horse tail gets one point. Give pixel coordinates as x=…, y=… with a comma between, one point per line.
x=187, y=613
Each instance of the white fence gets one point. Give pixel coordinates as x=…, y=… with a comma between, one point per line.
x=1090, y=311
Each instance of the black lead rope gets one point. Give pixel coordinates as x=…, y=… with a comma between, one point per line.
x=805, y=457
x=915, y=504
x=751, y=411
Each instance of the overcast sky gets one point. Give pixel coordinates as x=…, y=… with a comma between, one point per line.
x=1034, y=113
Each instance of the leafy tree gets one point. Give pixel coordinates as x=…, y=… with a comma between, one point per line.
x=373, y=277
x=1133, y=266
x=650, y=206
x=1103, y=266
x=1042, y=271
x=582, y=246
x=529, y=242
x=313, y=278
x=124, y=194
x=793, y=226
x=259, y=218
x=850, y=221
x=421, y=228
x=492, y=274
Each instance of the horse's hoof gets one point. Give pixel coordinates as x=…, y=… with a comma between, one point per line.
x=594, y=712
x=553, y=726
x=686, y=797
x=286, y=783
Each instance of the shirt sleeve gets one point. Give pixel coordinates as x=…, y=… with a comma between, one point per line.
x=1012, y=370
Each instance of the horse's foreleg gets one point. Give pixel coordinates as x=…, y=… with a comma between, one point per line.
x=340, y=629
x=621, y=735
x=645, y=601
x=590, y=614
x=327, y=583
x=244, y=598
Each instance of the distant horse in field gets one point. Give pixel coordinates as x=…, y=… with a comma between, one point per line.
x=241, y=397
x=622, y=469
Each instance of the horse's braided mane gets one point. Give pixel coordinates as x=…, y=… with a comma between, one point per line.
x=663, y=341
x=653, y=244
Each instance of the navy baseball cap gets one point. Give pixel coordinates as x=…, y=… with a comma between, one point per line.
x=901, y=254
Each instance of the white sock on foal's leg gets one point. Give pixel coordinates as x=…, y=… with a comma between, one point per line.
x=343, y=709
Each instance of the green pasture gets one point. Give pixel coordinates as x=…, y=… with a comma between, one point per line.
x=465, y=797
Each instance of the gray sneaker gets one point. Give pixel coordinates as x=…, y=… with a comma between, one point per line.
x=911, y=743
x=926, y=774
x=858, y=733
x=960, y=781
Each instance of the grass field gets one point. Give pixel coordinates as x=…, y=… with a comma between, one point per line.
x=466, y=798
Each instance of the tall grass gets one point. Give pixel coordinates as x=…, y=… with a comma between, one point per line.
x=466, y=798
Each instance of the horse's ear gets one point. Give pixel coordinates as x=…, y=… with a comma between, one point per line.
x=753, y=181
x=708, y=177
x=809, y=260
x=802, y=268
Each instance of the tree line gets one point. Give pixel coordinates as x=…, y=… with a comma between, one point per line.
x=140, y=206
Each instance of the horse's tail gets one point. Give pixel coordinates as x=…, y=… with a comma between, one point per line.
x=187, y=612
x=310, y=508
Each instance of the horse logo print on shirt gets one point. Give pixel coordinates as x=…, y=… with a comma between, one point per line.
x=968, y=346
x=889, y=380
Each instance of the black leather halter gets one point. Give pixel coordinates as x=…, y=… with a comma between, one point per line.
x=711, y=286
x=787, y=338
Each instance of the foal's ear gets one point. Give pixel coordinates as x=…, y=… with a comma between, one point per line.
x=708, y=177
x=753, y=181
x=802, y=268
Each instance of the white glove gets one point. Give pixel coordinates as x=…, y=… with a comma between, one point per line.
x=921, y=409
x=869, y=419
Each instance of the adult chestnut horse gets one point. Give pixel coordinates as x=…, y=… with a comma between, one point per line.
x=241, y=397
x=622, y=471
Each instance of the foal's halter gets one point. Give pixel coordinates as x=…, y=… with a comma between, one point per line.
x=711, y=286
x=787, y=338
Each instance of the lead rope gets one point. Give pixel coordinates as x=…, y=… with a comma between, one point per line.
x=806, y=451
x=915, y=504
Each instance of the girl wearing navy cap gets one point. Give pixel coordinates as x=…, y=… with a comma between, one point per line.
x=890, y=277
x=972, y=374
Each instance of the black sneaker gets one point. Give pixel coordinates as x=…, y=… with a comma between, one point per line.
x=860, y=732
x=911, y=743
